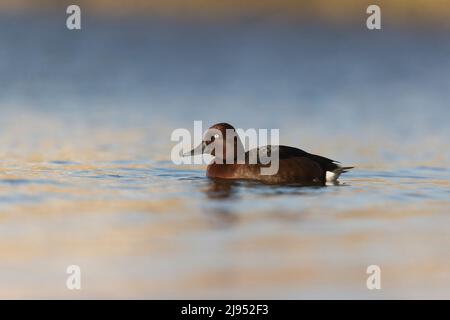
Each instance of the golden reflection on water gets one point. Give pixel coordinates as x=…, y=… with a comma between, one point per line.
x=139, y=227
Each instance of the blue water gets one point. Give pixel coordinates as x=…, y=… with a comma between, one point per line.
x=86, y=176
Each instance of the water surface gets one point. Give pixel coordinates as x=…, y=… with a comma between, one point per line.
x=86, y=176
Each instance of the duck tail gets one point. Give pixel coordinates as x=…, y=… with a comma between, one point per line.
x=332, y=176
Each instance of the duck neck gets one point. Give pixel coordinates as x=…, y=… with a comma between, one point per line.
x=231, y=154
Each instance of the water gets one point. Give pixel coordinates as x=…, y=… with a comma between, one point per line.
x=86, y=176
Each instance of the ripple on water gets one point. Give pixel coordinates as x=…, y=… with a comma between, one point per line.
x=18, y=182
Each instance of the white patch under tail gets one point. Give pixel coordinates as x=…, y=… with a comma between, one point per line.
x=333, y=176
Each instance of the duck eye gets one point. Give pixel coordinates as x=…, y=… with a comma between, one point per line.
x=214, y=137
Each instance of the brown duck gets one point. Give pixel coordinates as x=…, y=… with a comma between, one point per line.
x=294, y=166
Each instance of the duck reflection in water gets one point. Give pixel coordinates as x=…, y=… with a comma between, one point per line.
x=221, y=189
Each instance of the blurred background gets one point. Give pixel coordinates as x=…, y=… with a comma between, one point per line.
x=85, y=170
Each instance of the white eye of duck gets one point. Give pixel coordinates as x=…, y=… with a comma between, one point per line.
x=216, y=136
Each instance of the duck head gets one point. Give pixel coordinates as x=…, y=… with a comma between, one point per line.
x=220, y=141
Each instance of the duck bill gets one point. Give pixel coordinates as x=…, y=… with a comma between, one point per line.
x=196, y=151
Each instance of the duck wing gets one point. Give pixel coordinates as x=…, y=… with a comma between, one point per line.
x=286, y=152
x=326, y=163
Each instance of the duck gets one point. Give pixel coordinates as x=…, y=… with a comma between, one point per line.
x=295, y=166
